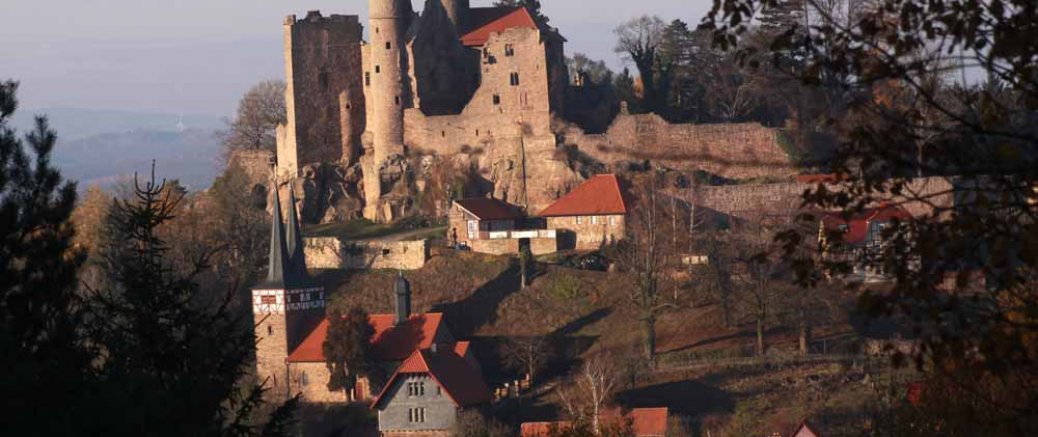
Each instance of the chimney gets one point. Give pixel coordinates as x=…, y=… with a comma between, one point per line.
x=403, y=299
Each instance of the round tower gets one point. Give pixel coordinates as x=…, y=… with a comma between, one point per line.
x=389, y=21
x=458, y=11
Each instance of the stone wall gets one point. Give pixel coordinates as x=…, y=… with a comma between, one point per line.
x=734, y=151
x=588, y=232
x=333, y=253
x=750, y=201
x=311, y=380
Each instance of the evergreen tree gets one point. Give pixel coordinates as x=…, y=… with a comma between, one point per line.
x=174, y=362
x=348, y=348
x=45, y=361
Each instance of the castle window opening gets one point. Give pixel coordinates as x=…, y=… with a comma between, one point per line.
x=270, y=330
x=513, y=79
x=367, y=78
x=397, y=100
x=389, y=45
x=378, y=69
x=497, y=99
x=477, y=132
x=509, y=50
x=349, y=106
x=443, y=134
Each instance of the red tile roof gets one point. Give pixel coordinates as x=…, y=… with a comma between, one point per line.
x=486, y=21
x=391, y=343
x=805, y=430
x=489, y=209
x=857, y=225
x=645, y=422
x=462, y=383
x=600, y=195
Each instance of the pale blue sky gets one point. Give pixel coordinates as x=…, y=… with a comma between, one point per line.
x=198, y=56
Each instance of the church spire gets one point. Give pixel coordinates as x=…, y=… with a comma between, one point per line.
x=278, y=250
x=294, y=238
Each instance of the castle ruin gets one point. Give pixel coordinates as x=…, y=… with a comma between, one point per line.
x=481, y=89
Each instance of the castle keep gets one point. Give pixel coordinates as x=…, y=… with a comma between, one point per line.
x=480, y=89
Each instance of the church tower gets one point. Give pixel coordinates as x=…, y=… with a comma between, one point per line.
x=288, y=304
x=388, y=28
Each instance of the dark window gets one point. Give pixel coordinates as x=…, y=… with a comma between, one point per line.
x=322, y=78
x=367, y=78
x=416, y=388
x=378, y=69
x=497, y=99
x=303, y=379
x=509, y=50
x=443, y=133
x=397, y=100
x=416, y=415
x=513, y=79
x=349, y=106
x=389, y=45
x=270, y=330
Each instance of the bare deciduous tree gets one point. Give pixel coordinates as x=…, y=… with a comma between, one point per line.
x=638, y=40
x=591, y=387
x=260, y=111
x=527, y=354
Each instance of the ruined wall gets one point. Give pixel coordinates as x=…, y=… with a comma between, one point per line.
x=749, y=201
x=735, y=151
x=332, y=253
x=324, y=97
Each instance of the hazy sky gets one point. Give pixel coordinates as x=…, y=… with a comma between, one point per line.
x=198, y=56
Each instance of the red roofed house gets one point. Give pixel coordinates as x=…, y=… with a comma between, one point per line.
x=859, y=233
x=493, y=226
x=645, y=422
x=426, y=393
x=594, y=213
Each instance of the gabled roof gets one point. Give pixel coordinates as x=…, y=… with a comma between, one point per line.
x=489, y=209
x=856, y=229
x=805, y=430
x=459, y=380
x=486, y=21
x=600, y=195
x=283, y=270
x=390, y=342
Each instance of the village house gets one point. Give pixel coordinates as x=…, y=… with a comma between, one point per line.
x=428, y=390
x=860, y=234
x=493, y=226
x=591, y=215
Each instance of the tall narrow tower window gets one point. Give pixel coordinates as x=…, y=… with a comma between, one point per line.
x=509, y=50
x=397, y=100
x=367, y=78
x=389, y=45
x=270, y=330
x=378, y=69
x=497, y=99
x=513, y=79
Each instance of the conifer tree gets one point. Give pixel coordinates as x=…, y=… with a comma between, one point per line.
x=44, y=360
x=175, y=361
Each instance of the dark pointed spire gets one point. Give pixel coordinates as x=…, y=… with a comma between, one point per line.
x=403, y=299
x=294, y=238
x=278, y=250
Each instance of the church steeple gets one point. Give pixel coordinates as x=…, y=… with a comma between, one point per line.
x=294, y=239
x=276, y=270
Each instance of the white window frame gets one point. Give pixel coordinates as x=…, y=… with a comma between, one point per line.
x=580, y=220
x=594, y=219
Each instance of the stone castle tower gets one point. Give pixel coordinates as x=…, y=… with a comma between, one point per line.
x=288, y=304
x=389, y=22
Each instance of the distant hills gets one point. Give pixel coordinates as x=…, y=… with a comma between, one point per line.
x=105, y=146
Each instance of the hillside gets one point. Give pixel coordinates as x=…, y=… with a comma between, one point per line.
x=587, y=311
